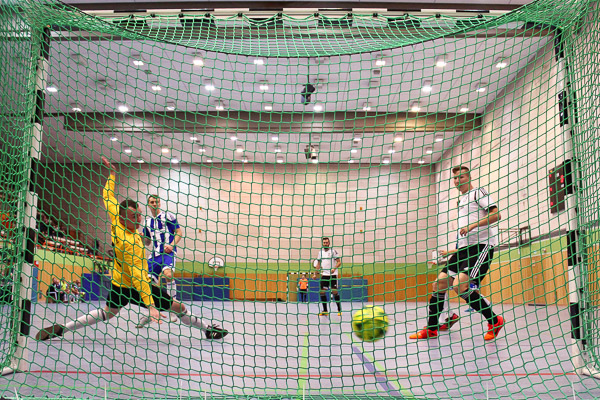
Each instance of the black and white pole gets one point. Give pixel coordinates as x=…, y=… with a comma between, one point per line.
x=575, y=259
x=19, y=361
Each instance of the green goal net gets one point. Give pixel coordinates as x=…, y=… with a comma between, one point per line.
x=196, y=204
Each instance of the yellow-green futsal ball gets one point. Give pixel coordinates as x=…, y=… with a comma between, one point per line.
x=370, y=324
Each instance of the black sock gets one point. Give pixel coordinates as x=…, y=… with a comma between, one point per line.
x=436, y=306
x=479, y=304
x=336, y=297
x=324, y=302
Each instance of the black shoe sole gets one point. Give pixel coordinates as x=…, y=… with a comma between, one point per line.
x=222, y=333
x=49, y=333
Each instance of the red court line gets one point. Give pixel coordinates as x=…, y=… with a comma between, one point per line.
x=299, y=375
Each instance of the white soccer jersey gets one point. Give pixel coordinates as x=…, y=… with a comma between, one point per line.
x=474, y=206
x=328, y=260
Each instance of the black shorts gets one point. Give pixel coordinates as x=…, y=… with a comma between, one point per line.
x=473, y=260
x=120, y=296
x=329, y=282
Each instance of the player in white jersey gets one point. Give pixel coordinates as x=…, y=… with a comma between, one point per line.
x=329, y=262
x=477, y=236
x=163, y=232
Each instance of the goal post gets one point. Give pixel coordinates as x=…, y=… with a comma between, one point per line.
x=258, y=138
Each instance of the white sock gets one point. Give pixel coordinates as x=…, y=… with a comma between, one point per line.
x=172, y=289
x=191, y=320
x=92, y=318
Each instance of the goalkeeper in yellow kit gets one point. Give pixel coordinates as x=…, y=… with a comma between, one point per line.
x=130, y=281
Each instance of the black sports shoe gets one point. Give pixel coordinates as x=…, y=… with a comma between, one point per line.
x=49, y=333
x=214, y=332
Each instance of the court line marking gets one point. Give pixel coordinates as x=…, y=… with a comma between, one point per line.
x=303, y=370
x=380, y=372
x=285, y=376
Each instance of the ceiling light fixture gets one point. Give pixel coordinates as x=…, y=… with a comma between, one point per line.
x=398, y=138
x=275, y=138
x=268, y=107
x=366, y=106
x=279, y=159
x=198, y=60
x=353, y=150
x=244, y=159
x=128, y=151
x=174, y=161
x=501, y=62
x=51, y=88
x=421, y=161
x=427, y=88
x=481, y=87
x=202, y=149
x=233, y=138
x=380, y=61
x=113, y=138
x=385, y=160
x=357, y=138
x=123, y=108
x=317, y=108
x=463, y=109
x=428, y=150
x=220, y=106
x=259, y=61
x=140, y=161
x=415, y=106
x=263, y=85
x=277, y=149
x=239, y=149
x=164, y=150
x=441, y=61
x=439, y=138
x=137, y=59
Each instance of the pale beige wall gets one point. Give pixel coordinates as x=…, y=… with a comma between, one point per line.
x=261, y=212
x=520, y=140
x=586, y=73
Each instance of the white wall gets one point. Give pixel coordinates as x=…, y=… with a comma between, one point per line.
x=261, y=213
x=519, y=142
x=586, y=73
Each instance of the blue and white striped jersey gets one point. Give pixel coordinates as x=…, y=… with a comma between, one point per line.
x=161, y=230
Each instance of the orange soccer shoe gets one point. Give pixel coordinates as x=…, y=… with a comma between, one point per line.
x=424, y=334
x=494, y=330
x=449, y=322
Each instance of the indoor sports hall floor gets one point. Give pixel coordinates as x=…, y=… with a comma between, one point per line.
x=285, y=349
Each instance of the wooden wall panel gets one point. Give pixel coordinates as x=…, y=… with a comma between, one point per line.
x=594, y=275
x=48, y=270
x=259, y=287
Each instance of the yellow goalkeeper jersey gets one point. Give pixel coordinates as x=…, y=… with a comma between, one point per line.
x=130, y=267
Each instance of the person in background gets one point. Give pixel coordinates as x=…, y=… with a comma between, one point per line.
x=303, y=288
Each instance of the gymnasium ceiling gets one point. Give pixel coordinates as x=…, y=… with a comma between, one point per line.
x=346, y=84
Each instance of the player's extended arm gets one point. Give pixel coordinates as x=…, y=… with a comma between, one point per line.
x=139, y=275
x=108, y=194
x=178, y=236
x=492, y=216
x=447, y=252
